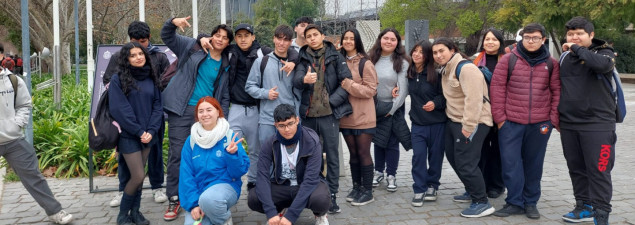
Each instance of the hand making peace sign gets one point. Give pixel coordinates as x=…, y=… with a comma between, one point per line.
x=233, y=145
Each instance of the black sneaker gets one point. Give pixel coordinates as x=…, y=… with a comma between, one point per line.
x=431, y=194
x=509, y=210
x=494, y=194
x=334, y=207
x=581, y=213
x=532, y=212
x=465, y=197
x=354, y=194
x=600, y=217
x=364, y=197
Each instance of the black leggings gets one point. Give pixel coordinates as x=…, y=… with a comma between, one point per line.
x=359, y=148
x=136, y=163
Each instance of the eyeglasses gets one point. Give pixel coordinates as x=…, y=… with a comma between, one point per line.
x=534, y=39
x=285, y=126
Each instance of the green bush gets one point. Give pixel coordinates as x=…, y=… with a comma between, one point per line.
x=625, y=48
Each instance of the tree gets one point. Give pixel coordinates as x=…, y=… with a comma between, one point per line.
x=41, y=25
x=271, y=13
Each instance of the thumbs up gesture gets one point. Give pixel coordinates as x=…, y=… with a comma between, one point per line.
x=310, y=78
x=273, y=94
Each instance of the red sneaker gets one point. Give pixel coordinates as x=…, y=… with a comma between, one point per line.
x=173, y=210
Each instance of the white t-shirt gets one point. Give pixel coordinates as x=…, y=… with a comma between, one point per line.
x=289, y=162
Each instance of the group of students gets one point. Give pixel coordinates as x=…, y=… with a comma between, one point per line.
x=290, y=102
x=301, y=93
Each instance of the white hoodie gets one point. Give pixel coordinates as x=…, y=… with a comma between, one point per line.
x=13, y=119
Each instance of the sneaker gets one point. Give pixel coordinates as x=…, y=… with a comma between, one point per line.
x=364, y=197
x=465, y=197
x=600, y=217
x=478, y=210
x=431, y=194
x=334, y=207
x=494, y=194
x=417, y=201
x=354, y=194
x=581, y=213
x=229, y=221
x=159, y=196
x=392, y=183
x=321, y=220
x=61, y=217
x=531, y=211
x=173, y=209
x=116, y=201
x=509, y=210
x=379, y=176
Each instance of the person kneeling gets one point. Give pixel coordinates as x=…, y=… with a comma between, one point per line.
x=212, y=163
x=289, y=173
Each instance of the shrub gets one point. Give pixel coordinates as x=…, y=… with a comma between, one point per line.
x=625, y=48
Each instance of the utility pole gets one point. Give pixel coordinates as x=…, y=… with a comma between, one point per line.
x=26, y=61
x=57, y=90
x=76, y=12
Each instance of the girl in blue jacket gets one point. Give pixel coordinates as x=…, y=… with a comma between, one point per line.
x=212, y=162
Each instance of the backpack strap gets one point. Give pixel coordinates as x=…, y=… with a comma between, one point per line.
x=14, y=82
x=362, y=62
x=459, y=66
x=511, y=64
x=263, y=65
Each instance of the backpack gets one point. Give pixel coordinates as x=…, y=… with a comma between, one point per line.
x=14, y=83
x=615, y=85
x=512, y=63
x=484, y=71
x=169, y=72
x=102, y=133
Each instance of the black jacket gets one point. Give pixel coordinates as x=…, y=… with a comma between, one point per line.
x=238, y=76
x=421, y=91
x=336, y=71
x=586, y=102
x=395, y=124
x=158, y=60
x=307, y=171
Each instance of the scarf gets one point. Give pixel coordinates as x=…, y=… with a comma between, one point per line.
x=140, y=73
x=209, y=138
x=294, y=140
x=533, y=58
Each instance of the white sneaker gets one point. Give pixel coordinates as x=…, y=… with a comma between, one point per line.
x=159, y=196
x=321, y=220
x=229, y=221
x=61, y=217
x=116, y=201
x=392, y=183
x=378, y=177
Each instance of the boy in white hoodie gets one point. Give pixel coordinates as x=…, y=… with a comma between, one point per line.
x=16, y=151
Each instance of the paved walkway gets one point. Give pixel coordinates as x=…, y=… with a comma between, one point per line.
x=18, y=207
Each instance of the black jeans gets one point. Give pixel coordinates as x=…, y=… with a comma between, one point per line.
x=590, y=157
x=283, y=195
x=179, y=128
x=490, y=163
x=464, y=155
x=328, y=128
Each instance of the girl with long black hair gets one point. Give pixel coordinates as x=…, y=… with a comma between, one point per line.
x=135, y=103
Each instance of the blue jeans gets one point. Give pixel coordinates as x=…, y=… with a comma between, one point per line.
x=388, y=157
x=215, y=202
x=428, y=146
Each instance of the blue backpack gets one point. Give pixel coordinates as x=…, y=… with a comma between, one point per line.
x=615, y=85
x=486, y=74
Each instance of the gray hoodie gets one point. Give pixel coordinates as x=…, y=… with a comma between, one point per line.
x=13, y=119
x=273, y=77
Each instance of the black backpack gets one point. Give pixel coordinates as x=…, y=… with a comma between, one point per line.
x=102, y=133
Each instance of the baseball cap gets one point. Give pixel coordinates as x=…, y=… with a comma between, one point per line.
x=244, y=26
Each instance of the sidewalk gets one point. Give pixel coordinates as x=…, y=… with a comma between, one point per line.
x=18, y=207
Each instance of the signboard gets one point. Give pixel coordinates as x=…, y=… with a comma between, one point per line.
x=104, y=55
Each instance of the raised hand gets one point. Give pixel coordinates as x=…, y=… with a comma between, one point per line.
x=206, y=44
x=273, y=94
x=181, y=22
x=288, y=67
x=233, y=145
x=310, y=78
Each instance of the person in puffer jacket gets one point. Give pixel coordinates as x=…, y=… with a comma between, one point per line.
x=525, y=109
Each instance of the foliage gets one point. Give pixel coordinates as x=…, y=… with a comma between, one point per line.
x=271, y=13
x=625, y=48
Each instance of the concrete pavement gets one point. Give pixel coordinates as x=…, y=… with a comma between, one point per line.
x=18, y=207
